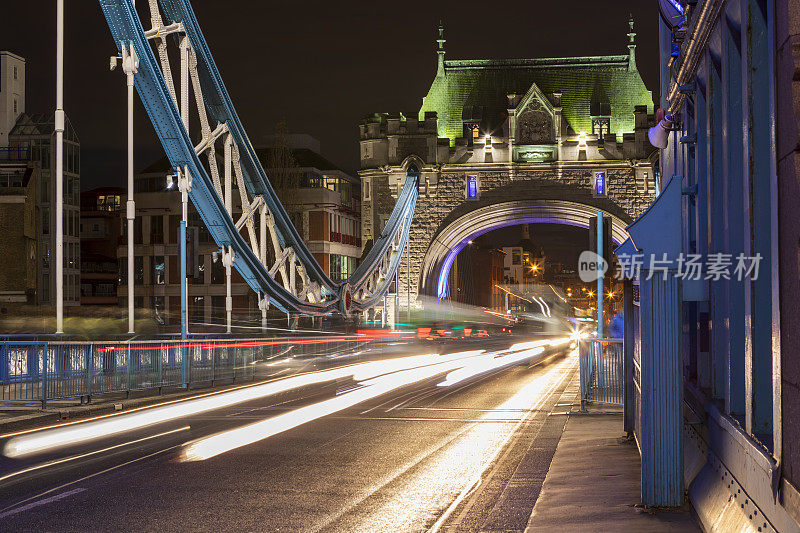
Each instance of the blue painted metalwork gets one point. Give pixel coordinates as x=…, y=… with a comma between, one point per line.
x=43, y=371
x=184, y=288
x=401, y=217
x=126, y=28
x=602, y=371
x=600, y=239
x=655, y=233
x=732, y=195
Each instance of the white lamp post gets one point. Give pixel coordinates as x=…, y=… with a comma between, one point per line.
x=59, y=130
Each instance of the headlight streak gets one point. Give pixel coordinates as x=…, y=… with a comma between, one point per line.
x=89, y=454
x=455, y=471
x=374, y=378
x=226, y=441
x=373, y=387
x=48, y=439
x=486, y=365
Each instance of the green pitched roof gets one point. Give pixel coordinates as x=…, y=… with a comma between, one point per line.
x=580, y=80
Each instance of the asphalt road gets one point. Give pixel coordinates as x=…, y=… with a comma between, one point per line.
x=413, y=458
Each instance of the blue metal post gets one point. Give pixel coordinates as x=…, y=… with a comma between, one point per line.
x=184, y=317
x=600, y=276
x=184, y=301
x=44, y=376
x=184, y=185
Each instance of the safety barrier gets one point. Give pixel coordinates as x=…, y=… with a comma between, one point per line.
x=48, y=370
x=601, y=367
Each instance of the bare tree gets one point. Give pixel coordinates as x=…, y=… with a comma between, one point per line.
x=284, y=171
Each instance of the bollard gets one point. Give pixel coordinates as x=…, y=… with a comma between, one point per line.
x=44, y=376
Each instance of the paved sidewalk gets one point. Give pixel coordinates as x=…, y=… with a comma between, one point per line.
x=593, y=484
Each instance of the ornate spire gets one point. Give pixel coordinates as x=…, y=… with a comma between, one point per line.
x=440, y=50
x=631, y=47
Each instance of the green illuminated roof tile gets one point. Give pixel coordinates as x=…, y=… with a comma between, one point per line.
x=580, y=80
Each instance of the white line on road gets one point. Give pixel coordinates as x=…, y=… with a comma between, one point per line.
x=6, y=510
x=41, y=502
x=84, y=455
x=474, y=485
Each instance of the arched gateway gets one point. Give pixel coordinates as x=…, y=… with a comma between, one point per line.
x=503, y=142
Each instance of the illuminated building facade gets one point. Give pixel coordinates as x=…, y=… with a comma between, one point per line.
x=502, y=142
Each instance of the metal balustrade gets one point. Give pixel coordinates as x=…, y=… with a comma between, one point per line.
x=51, y=370
x=601, y=368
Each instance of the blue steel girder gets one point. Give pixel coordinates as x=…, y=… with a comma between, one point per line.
x=127, y=30
x=386, y=245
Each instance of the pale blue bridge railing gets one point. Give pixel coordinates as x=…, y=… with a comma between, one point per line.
x=39, y=371
x=602, y=371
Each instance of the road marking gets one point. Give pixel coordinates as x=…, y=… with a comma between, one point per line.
x=41, y=502
x=415, y=398
x=475, y=485
x=466, y=409
x=74, y=457
x=423, y=419
x=426, y=455
x=54, y=489
x=388, y=401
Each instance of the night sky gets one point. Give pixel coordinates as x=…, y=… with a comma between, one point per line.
x=321, y=66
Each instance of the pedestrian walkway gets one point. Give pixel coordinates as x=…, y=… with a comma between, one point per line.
x=594, y=483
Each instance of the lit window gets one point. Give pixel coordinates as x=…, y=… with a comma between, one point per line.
x=476, y=132
x=472, y=187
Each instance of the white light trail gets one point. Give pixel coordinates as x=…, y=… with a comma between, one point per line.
x=48, y=439
x=373, y=387
x=375, y=377
x=482, y=366
x=226, y=441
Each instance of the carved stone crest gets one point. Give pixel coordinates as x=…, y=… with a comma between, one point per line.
x=535, y=125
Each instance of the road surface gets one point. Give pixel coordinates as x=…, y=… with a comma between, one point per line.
x=415, y=447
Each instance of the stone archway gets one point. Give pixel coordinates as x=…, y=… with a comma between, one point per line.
x=452, y=238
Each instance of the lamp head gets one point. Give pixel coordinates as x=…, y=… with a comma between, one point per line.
x=658, y=135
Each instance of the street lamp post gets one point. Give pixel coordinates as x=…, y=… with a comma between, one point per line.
x=130, y=65
x=227, y=259
x=59, y=130
x=184, y=186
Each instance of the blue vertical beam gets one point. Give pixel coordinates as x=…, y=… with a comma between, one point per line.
x=703, y=113
x=761, y=86
x=184, y=300
x=743, y=289
x=772, y=270
x=688, y=240
x=662, y=393
x=714, y=208
x=600, y=276
x=732, y=207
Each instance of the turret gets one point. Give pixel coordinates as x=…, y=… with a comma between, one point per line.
x=440, y=51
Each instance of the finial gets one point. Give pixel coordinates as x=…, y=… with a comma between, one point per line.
x=631, y=34
x=440, y=51
x=631, y=46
